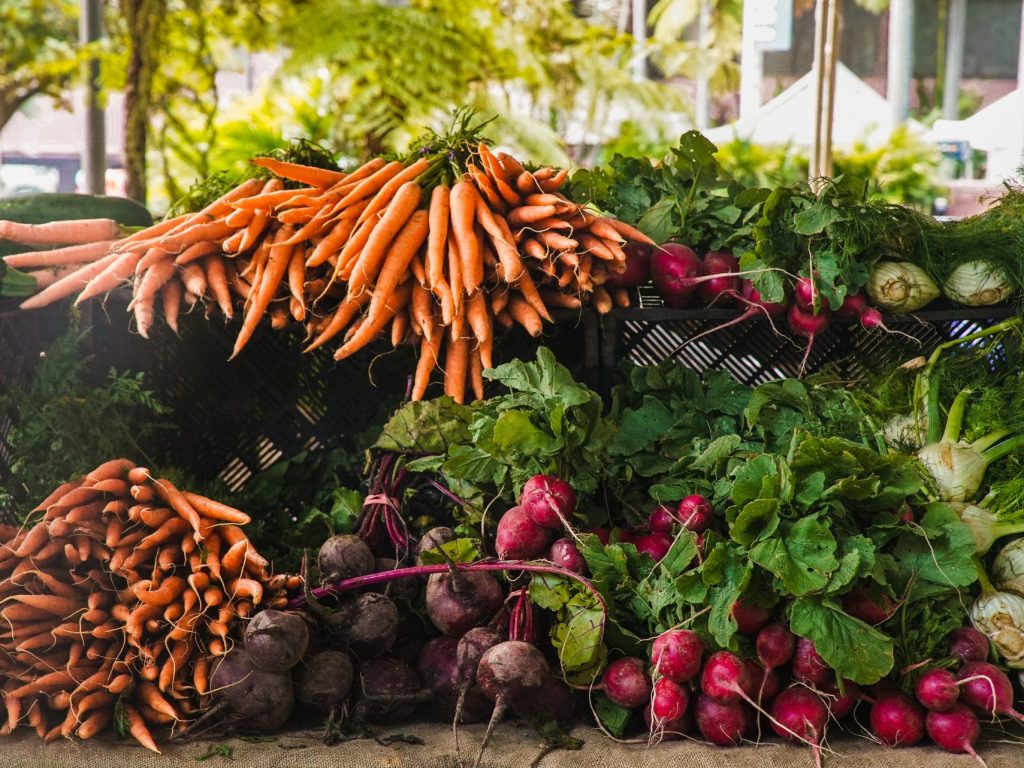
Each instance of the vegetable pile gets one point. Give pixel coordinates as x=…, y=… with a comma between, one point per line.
x=118, y=593
x=437, y=249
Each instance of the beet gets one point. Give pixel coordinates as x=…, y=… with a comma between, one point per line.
x=457, y=604
x=395, y=682
x=723, y=723
x=897, y=720
x=750, y=618
x=808, y=667
x=638, y=266
x=654, y=545
x=626, y=682
x=325, y=680
x=256, y=701
x=674, y=268
x=471, y=648
x=432, y=539
x=396, y=589
x=519, y=537
x=276, y=640
x=344, y=557
x=565, y=553
x=549, y=501
x=437, y=667
x=676, y=654
x=370, y=624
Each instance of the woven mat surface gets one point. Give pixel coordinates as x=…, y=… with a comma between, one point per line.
x=512, y=747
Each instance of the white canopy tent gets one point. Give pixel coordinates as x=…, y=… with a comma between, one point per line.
x=861, y=115
x=996, y=129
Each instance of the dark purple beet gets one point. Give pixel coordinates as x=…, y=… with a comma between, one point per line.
x=455, y=607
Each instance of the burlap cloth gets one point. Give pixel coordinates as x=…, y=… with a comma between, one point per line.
x=512, y=747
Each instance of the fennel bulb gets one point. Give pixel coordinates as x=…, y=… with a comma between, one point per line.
x=905, y=431
x=900, y=286
x=1008, y=568
x=978, y=283
x=1000, y=617
x=985, y=526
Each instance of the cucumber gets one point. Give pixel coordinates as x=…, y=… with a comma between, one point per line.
x=58, y=206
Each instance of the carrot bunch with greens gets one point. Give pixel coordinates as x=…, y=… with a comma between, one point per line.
x=115, y=597
x=436, y=250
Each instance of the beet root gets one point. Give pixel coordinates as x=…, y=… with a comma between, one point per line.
x=276, y=640
x=344, y=557
x=325, y=680
x=456, y=604
x=391, y=691
x=370, y=624
x=257, y=701
x=438, y=668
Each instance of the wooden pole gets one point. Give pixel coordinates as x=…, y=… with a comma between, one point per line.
x=827, y=23
x=834, y=22
x=94, y=151
x=954, y=59
x=818, y=68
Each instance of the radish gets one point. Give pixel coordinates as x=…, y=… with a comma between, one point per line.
x=626, y=682
x=661, y=730
x=565, y=553
x=602, y=534
x=674, y=268
x=695, y=513
x=969, y=644
x=853, y=306
x=799, y=714
x=638, y=266
x=842, y=704
x=661, y=520
x=808, y=667
x=937, y=690
x=774, y=645
x=860, y=604
x=765, y=683
x=803, y=323
x=725, y=677
x=897, y=720
x=676, y=654
x=987, y=689
x=623, y=536
x=519, y=537
x=955, y=730
x=721, y=267
x=654, y=545
x=668, y=701
x=749, y=297
x=549, y=501
x=723, y=723
x=750, y=618
x=804, y=294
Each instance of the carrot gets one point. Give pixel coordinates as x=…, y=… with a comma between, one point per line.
x=214, y=510
x=368, y=331
x=500, y=236
x=33, y=541
x=455, y=367
x=529, y=291
x=153, y=280
x=491, y=163
x=530, y=214
x=524, y=314
x=239, y=217
x=556, y=241
x=217, y=279
x=630, y=233
x=398, y=228
x=97, y=721
x=487, y=189
x=304, y=174
x=331, y=244
x=137, y=726
x=463, y=204
x=74, y=232
x=480, y=322
x=499, y=301
x=150, y=695
x=553, y=298
x=371, y=184
x=246, y=588
x=62, y=490
x=176, y=661
x=72, y=254
x=197, y=251
x=455, y=276
x=277, y=263
x=167, y=592
x=51, y=604
x=387, y=192
x=526, y=183
x=429, y=350
x=422, y=311
x=340, y=319
x=271, y=198
x=439, y=213
x=174, y=498
x=397, y=261
x=602, y=301
x=48, y=683
x=70, y=284
x=476, y=370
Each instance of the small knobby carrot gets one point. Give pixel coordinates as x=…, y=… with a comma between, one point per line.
x=439, y=215
x=422, y=311
x=399, y=327
x=556, y=241
x=304, y=174
x=175, y=526
x=390, y=229
x=170, y=298
x=368, y=331
x=456, y=365
x=553, y=298
x=463, y=205
x=37, y=536
x=527, y=288
x=554, y=182
x=530, y=214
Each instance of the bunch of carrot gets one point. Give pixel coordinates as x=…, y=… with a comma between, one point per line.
x=116, y=595
x=387, y=247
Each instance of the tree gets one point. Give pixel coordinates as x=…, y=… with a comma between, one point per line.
x=38, y=41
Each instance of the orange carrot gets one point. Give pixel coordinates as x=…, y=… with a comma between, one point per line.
x=512, y=265
x=399, y=327
x=137, y=727
x=521, y=311
x=556, y=241
x=74, y=232
x=176, y=500
x=371, y=184
x=387, y=192
x=456, y=364
x=480, y=322
x=429, y=350
x=331, y=244
x=70, y=284
x=368, y=331
x=463, y=203
x=153, y=280
x=72, y=254
x=296, y=281
x=392, y=227
x=530, y=214
x=529, y=291
x=246, y=588
x=397, y=260
x=630, y=233
x=304, y=174
x=439, y=215
x=110, y=470
x=214, y=510
x=342, y=316
x=487, y=189
x=555, y=181
x=150, y=695
x=422, y=311
x=277, y=263
x=476, y=378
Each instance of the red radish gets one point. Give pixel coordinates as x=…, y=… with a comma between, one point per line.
x=695, y=513
x=987, y=689
x=661, y=520
x=774, y=646
x=725, y=677
x=602, y=535
x=676, y=654
x=809, y=667
x=654, y=545
x=723, y=723
x=969, y=644
x=860, y=604
x=765, y=683
x=799, y=714
x=937, y=690
x=755, y=307
x=638, y=266
x=842, y=704
x=907, y=516
x=565, y=553
x=955, y=730
x=897, y=720
x=623, y=536
x=803, y=323
x=626, y=682
x=871, y=318
x=674, y=268
x=853, y=306
x=548, y=500
x=519, y=537
x=669, y=700
x=667, y=730
x=804, y=293
x=721, y=267
x=750, y=618
x=753, y=296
